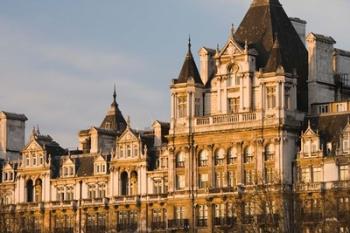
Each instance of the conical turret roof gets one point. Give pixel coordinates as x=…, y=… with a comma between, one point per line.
x=264, y=20
x=189, y=69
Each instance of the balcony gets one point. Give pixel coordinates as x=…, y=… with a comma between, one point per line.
x=158, y=196
x=63, y=230
x=224, y=221
x=158, y=226
x=345, y=184
x=226, y=119
x=95, y=201
x=202, y=222
x=309, y=187
x=223, y=190
x=179, y=224
x=130, y=227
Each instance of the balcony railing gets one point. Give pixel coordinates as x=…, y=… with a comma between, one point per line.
x=179, y=224
x=224, y=119
x=319, y=186
x=341, y=184
x=222, y=189
x=158, y=225
x=202, y=222
x=131, y=227
x=224, y=221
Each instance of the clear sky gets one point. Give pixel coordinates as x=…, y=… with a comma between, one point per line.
x=60, y=59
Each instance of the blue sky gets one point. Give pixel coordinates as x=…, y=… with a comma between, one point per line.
x=60, y=59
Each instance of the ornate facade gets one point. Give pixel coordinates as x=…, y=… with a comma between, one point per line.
x=258, y=141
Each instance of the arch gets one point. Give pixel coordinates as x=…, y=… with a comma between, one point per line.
x=248, y=154
x=219, y=156
x=133, y=183
x=232, y=155
x=233, y=78
x=30, y=190
x=269, y=152
x=38, y=190
x=180, y=159
x=124, y=183
x=203, y=158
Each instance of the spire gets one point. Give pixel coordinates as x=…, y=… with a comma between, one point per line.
x=189, y=68
x=114, y=119
x=232, y=32
x=114, y=103
x=276, y=59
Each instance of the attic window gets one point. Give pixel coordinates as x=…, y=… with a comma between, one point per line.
x=108, y=125
x=68, y=171
x=100, y=168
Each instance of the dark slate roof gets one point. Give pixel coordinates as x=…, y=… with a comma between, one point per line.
x=189, y=69
x=51, y=146
x=342, y=52
x=114, y=119
x=14, y=116
x=329, y=127
x=264, y=20
x=275, y=59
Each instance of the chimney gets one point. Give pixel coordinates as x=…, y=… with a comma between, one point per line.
x=300, y=27
x=207, y=64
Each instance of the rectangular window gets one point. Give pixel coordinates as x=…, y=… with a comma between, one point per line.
x=248, y=177
x=231, y=180
x=345, y=145
x=218, y=179
x=269, y=175
x=233, y=105
x=317, y=176
x=180, y=182
x=271, y=97
x=179, y=212
x=203, y=181
x=157, y=186
x=344, y=172
x=197, y=108
x=182, y=106
x=306, y=175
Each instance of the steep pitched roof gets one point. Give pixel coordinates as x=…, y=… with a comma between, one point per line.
x=189, y=69
x=275, y=59
x=114, y=119
x=265, y=19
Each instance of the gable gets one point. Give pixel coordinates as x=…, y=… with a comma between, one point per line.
x=32, y=146
x=231, y=48
x=127, y=136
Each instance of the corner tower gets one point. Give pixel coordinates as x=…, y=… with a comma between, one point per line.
x=265, y=20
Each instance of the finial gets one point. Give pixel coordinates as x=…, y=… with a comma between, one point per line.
x=276, y=43
x=128, y=121
x=114, y=93
x=308, y=124
x=189, y=42
x=37, y=130
x=246, y=45
x=232, y=30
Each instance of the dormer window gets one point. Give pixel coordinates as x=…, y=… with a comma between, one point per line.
x=27, y=160
x=345, y=145
x=128, y=150
x=121, y=151
x=34, y=160
x=100, y=168
x=41, y=160
x=136, y=150
x=68, y=170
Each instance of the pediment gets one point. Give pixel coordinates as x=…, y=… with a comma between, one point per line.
x=100, y=158
x=8, y=167
x=68, y=161
x=33, y=145
x=231, y=48
x=128, y=135
x=310, y=133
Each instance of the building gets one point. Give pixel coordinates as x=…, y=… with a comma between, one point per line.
x=258, y=141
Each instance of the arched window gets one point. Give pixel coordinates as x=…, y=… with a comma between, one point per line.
x=248, y=154
x=124, y=183
x=133, y=183
x=219, y=157
x=203, y=158
x=269, y=152
x=136, y=151
x=38, y=190
x=29, y=187
x=180, y=160
x=232, y=155
x=121, y=151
